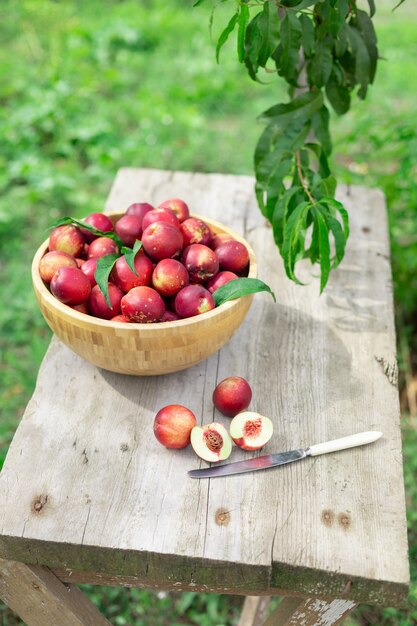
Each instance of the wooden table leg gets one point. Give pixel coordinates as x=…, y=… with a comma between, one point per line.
x=293, y=611
x=40, y=598
x=253, y=611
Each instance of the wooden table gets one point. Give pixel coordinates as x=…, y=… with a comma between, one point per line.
x=88, y=495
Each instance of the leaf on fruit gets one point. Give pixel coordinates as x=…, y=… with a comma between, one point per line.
x=105, y=265
x=130, y=254
x=64, y=221
x=239, y=287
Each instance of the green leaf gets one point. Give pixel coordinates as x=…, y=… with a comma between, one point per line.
x=243, y=22
x=262, y=36
x=269, y=25
x=280, y=213
x=308, y=38
x=225, y=34
x=330, y=208
x=338, y=95
x=320, y=66
x=341, y=41
x=284, y=141
x=104, y=267
x=343, y=7
x=318, y=151
x=302, y=107
x=294, y=228
x=130, y=254
x=268, y=192
x=287, y=55
x=314, y=250
x=337, y=207
x=328, y=186
x=274, y=160
x=299, y=4
x=339, y=240
x=320, y=123
x=274, y=185
x=336, y=19
x=324, y=247
x=362, y=60
x=63, y=221
x=253, y=43
x=366, y=27
x=372, y=8
x=239, y=287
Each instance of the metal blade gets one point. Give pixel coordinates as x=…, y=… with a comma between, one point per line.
x=251, y=465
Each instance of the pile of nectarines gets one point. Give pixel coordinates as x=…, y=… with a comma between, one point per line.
x=173, y=275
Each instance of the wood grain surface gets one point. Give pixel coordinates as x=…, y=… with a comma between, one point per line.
x=87, y=488
x=41, y=599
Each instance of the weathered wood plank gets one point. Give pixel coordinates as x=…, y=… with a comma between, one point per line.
x=40, y=598
x=320, y=366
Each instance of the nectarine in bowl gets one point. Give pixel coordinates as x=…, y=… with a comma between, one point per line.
x=144, y=349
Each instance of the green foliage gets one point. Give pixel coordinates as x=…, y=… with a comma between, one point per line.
x=326, y=47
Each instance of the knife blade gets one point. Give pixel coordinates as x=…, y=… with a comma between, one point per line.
x=282, y=458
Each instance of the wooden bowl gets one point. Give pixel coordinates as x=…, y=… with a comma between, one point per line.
x=143, y=349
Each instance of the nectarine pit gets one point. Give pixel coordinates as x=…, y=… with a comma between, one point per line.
x=213, y=439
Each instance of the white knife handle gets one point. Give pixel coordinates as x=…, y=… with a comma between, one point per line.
x=345, y=442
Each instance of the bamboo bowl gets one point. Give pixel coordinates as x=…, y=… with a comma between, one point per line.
x=143, y=349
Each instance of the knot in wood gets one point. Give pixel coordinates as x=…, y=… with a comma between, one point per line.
x=222, y=517
x=38, y=503
x=345, y=520
x=327, y=517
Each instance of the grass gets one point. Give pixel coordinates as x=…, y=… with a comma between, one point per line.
x=87, y=87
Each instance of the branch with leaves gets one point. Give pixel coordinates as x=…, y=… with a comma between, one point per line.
x=325, y=50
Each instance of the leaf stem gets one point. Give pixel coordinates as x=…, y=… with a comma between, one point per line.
x=302, y=179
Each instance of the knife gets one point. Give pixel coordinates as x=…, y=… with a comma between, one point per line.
x=273, y=460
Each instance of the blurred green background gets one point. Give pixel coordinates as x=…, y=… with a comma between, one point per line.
x=88, y=87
